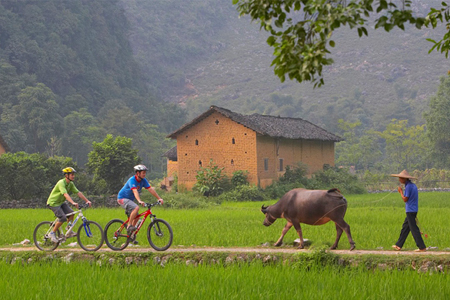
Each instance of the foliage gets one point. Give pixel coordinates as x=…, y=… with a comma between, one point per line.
x=437, y=120
x=239, y=178
x=112, y=160
x=295, y=174
x=340, y=178
x=301, y=45
x=210, y=180
x=244, y=192
x=40, y=173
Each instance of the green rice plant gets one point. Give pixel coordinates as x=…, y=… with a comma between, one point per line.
x=83, y=280
x=375, y=221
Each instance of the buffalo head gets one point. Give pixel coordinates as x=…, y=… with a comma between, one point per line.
x=269, y=219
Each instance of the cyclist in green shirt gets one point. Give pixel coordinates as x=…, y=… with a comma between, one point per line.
x=56, y=201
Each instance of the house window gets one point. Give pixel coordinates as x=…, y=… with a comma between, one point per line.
x=266, y=164
x=233, y=141
x=232, y=162
x=200, y=163
x=196, y=142
x=217, y=122
x=281, y=164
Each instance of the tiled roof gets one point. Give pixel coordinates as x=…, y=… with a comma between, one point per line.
x=276, y=127
x=171, y=154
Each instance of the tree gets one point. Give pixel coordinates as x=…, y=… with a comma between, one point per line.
x=405, y=146
x=37, y=110
x=112, y=160
x=301, y=44
x=438, y=122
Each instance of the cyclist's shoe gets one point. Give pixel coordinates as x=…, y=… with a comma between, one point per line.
x=71, y=234
x=130, y=229
x=135, y=242
x=53, y=237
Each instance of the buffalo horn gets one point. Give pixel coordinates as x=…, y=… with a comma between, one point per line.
x=264, y=209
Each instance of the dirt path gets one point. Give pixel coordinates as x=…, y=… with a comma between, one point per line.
x=138, y=249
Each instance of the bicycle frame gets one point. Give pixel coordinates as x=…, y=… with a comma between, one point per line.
x=79, y=216
x=144, y=215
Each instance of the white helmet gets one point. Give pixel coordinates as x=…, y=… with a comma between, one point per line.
x=138, y=168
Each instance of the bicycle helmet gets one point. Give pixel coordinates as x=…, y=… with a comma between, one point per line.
x=139, y=168
x=69, y=170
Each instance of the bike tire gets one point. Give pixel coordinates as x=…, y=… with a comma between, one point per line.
x=90, y=236
x=115, y=235
x=159, y=235
x=41, y=240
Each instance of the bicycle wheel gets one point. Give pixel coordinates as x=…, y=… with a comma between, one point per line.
x=159, y=235
x=116, y=235
x=90, y=236
x=41, y=236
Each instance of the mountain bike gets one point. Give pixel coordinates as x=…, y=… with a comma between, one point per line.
x=159, y=232
x=89, y=234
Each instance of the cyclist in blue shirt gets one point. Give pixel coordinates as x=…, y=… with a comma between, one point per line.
x=131, y=191
x=411, y=198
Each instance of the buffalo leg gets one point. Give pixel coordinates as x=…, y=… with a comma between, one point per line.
x=300, y=235
x=283, y=233
x=344, y=226
x=338, y=236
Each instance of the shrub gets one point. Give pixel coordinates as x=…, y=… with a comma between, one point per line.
x=210, y=180
x=239, y=178
x=244, y=193
x=332, y=177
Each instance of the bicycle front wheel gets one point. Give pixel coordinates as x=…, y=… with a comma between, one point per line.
x=90, y=236
x=116, y=235
x=159, y=235
x=41, y=236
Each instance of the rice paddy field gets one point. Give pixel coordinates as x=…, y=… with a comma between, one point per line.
x=375, y=221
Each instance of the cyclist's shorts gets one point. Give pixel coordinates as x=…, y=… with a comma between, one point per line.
x=61, y=211
x=127, y=204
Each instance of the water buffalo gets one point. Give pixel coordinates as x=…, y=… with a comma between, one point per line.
x=312, y=207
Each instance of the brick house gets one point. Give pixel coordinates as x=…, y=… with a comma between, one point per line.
x=3, y=146
x=262, y=145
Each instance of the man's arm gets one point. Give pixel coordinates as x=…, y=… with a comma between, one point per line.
x=138, y=198
x=400, y=190
x=155, y=194
x=80, y=194
x=68, y=198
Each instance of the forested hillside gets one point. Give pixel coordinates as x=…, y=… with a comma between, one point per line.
x=72, y=72
x=68, y=77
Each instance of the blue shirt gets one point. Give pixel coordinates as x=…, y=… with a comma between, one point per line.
x=412, y=205
x=133, y=183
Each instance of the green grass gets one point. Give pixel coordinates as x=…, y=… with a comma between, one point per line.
x=375, y=221
x=81, y=280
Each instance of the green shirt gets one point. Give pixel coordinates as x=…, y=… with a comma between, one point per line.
x=56, y=197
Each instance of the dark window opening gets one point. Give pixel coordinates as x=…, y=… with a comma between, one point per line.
x=266, y=164
x=217, y=122
x=232, y=162
x=196, y=142
x=186, y=136
x=233, y=141
x=200, y=163
x=281, y=164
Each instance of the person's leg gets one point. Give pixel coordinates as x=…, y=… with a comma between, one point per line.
x=59, y=213
x=403, y=234
x=131, y=209
x=415, y=231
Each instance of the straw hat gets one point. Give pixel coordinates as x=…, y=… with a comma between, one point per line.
x=403, y=174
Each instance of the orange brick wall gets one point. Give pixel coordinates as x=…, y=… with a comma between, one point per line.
x=313, y=153
x=215, y=142
x=172, y=168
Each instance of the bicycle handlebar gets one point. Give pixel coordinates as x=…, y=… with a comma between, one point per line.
x=152, y=204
